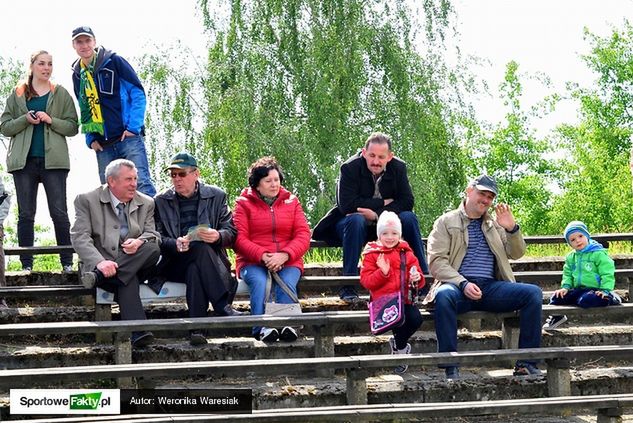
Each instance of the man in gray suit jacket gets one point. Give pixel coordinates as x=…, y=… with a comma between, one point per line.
x=116, y=240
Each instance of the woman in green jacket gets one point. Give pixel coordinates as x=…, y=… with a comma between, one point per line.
x=38, y=117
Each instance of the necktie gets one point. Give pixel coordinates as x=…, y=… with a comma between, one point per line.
x=122, y=220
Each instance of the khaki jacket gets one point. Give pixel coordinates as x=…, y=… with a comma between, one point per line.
x=13, y=123
x=95, y=233
x=448, y=242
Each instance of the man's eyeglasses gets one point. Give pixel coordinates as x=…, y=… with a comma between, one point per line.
x=180, y=174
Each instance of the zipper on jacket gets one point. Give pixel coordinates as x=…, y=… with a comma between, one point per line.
x=272, y=215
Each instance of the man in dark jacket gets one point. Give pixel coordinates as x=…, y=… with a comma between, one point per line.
x=196, y=226
x=370, y=182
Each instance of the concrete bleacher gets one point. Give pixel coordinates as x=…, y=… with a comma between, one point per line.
x=330, y=339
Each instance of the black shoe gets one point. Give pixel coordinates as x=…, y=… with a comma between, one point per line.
x=228, y=310
x=288, y=334
x=197, y=338
x=554, y=321
x=142, y=339
x=268, y=335
x=89, y=280
x=156, y=284
x=3, y=304
x=348, y=294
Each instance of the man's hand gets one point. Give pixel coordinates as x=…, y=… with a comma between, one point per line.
x=275, y=261
x=131, y=245
x=560, y=293
x=388, y=201
x=368, y=214
x=108, y=268
x=472, y=291
x=126, y=134
x=383, y=264
x=209, y=235
x=182, y=244
x=96, y=146
x=504, y=217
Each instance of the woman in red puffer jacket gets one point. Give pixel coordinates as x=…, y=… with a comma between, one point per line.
x=272, y=235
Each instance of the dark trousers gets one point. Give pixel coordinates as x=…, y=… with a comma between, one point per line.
x=200, y=269
x=27, y=181
x=125, y=284
x=355, y=231
x=582, y=297
x=412, y=322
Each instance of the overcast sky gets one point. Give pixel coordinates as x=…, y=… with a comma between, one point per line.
x=541, y=35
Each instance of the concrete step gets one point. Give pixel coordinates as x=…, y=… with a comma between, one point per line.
x=52, y=309
x=526, y=264
x=39, y=352
x=417, y=385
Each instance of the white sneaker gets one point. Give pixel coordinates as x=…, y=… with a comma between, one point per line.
x=402, y=368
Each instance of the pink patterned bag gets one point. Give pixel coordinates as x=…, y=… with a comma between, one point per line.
x=387, y=312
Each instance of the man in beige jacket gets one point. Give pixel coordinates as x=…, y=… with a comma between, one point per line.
x=116, y=240
x=469, y=254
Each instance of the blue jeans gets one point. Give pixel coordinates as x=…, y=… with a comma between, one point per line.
x=355, y=231
x=582, y=297
x=133, y=149
x=497, y=297
x=26, y=182
x=255, y=278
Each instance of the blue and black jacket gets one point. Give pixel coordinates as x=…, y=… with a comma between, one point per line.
x=121, y=96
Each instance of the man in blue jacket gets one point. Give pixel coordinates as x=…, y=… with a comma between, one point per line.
x=370, y=182
x=112, y=105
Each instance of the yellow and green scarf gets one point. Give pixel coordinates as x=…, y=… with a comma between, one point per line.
x=89, y=105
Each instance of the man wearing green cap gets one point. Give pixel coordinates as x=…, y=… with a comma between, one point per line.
x=196, y=225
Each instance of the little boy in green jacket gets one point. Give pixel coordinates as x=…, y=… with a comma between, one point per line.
x=588, y=275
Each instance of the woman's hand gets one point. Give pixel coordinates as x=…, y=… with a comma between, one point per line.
x=275, y=261
x=44, y=117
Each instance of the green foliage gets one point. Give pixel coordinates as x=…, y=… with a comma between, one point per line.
x=511, y=153
x=307, y=81
x=597, y=181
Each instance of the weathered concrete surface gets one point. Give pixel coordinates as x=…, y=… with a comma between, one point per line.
x=50, y=353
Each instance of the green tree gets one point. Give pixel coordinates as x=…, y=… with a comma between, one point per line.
x=597, y=182
x=519, y=161
x=307, y=81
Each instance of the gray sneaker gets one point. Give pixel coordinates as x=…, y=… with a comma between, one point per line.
x=89, y=279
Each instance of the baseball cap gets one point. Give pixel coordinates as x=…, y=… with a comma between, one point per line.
x=83, y=30
x=182, y=160
x=485, y=183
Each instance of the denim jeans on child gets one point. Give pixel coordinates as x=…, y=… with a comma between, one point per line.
x=583, y=297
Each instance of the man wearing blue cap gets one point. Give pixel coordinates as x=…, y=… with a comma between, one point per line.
x=196, y=226
x=468, y=257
